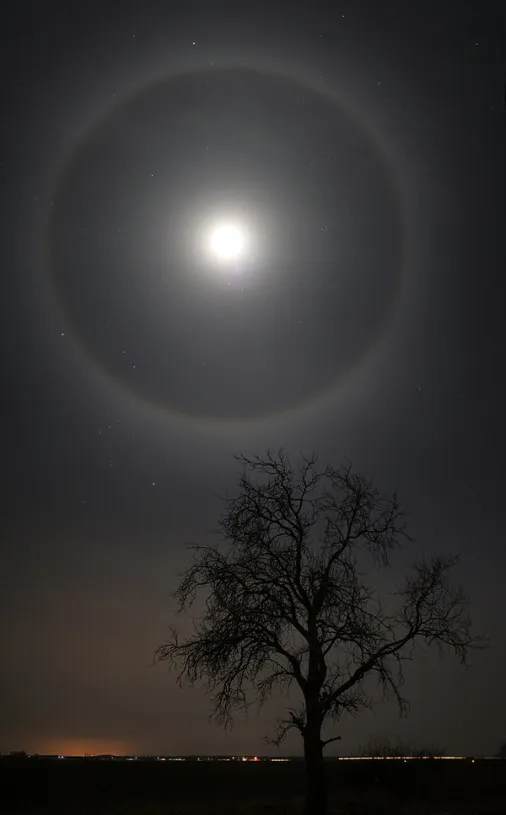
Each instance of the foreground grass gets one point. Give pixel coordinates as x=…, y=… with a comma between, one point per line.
x=356, y=788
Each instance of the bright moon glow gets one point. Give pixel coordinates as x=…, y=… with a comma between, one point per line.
x=228, y=242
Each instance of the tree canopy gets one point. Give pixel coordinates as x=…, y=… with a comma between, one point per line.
x=292, y=597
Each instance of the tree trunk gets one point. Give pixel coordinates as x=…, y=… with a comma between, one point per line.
x=316, y=776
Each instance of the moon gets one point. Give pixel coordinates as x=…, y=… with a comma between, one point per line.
x=227, y=242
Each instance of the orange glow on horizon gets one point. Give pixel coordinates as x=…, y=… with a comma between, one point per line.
x=84, y=746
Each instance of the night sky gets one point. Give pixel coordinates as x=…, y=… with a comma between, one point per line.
x=360, y=148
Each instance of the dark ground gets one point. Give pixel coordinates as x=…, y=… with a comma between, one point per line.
x=151, y=788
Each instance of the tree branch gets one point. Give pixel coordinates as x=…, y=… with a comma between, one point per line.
x=286, y=600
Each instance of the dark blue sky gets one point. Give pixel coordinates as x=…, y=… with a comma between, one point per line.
x=363, y=145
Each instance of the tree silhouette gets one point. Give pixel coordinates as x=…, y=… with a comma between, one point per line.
x=501, y=753
x=287, y=602
x=384, y=748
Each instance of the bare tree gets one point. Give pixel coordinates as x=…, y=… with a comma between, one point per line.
x=287, y=603
x=384, y=748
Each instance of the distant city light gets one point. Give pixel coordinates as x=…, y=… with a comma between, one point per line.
x=112, y=757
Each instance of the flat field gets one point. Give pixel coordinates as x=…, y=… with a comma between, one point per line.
x=41, y=787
